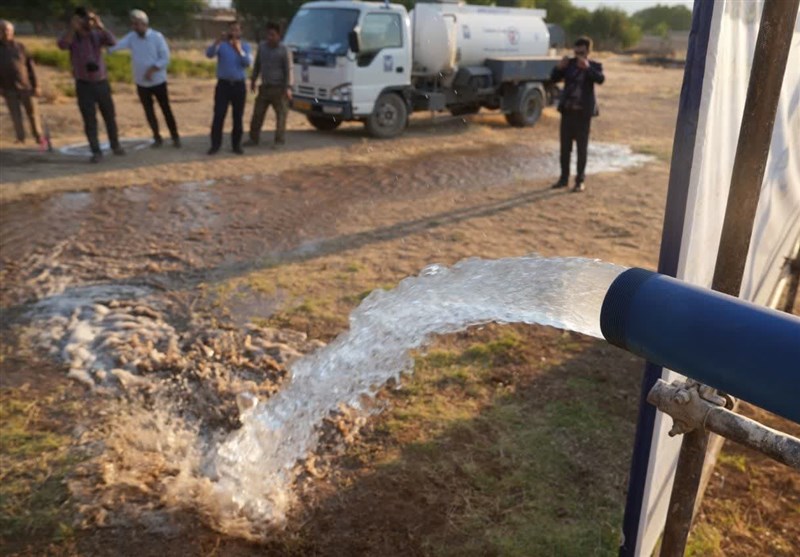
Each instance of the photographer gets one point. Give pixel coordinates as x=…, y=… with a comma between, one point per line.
x=578, y=105
x=233, y=58
x=85, y=40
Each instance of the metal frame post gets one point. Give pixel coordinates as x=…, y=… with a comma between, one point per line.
x=755, y=134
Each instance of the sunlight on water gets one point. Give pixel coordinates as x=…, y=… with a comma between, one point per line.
x=253, y=470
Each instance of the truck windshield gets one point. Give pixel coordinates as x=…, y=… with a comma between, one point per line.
x=323, y=29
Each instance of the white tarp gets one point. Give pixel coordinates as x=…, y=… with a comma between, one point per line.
x=734, y=28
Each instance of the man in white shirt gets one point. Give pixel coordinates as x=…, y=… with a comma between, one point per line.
x=150, y=57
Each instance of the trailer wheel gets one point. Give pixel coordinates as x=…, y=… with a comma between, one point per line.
x=529, y=110
x=389, y=117
x=324, y=123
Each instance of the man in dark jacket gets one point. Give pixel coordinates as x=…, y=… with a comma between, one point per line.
x=577, y=106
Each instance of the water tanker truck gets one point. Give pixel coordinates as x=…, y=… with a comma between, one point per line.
x=376, y=62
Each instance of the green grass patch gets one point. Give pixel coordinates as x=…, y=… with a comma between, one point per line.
x=35, y=459
x=119, y=66
x=516, y=473
x=705, y=541
x=736, y=461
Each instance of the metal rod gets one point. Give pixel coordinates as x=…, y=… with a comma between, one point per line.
x=750, y=433
x=755, y=134
x=690, y=411
x=794, y=283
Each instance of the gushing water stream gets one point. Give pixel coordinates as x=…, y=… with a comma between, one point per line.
x=252, y=471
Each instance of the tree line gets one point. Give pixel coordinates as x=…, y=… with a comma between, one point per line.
x=611, y=28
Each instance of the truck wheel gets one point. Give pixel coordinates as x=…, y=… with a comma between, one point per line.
x=529, y=111
x=324, y=123
x=389, y=117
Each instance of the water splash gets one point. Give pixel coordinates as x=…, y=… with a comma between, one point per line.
x=253, y=470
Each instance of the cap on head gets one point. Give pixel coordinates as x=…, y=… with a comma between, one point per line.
x=140, y=16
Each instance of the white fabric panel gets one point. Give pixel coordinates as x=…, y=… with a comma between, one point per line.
x=734, y=30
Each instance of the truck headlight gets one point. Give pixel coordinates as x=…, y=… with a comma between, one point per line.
x=342, y=92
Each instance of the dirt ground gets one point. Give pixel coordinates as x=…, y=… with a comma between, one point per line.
x=487, y=449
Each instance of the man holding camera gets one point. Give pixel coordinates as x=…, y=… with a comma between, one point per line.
x=85, y=40
x=150, y=58
x=577, y=106
x=233, y=58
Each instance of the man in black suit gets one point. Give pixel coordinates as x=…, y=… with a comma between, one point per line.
x=577, y=106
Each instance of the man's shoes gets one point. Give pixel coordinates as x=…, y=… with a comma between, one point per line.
x=278, y=145
x=176, y=142
x=213, y=151
x=250, y=143
x=95, y=158
x=579, y=187
x=560, y=184
x=238, y=150
x=118, y=150
x=157, y=143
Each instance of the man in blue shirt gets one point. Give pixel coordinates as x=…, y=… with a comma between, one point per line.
x=150, y=57
x=233, y=58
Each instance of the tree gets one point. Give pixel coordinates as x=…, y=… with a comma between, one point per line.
x=38, y=12
x=611, y=29
x=653, y=20
x=162, y=13
x=558, y=11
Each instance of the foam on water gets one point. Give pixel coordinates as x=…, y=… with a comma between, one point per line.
x=253, y=470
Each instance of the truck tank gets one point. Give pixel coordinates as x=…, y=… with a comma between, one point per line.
x=450, y=35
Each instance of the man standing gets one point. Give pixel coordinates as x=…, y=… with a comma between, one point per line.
x=274, y=64
x=150, y=57
x=18, y=84
x=85, y=40
x=577, y=106
x=233, y=58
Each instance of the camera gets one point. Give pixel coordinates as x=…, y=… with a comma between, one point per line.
x=92, y=67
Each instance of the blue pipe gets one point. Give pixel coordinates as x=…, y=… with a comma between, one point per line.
x=745, y=350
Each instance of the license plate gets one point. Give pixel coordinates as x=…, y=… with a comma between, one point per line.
x=332, y=109
x=301, y=105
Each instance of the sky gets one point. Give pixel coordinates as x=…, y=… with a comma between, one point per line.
x=629, y=6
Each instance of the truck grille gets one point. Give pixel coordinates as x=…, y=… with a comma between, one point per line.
x=308, y=91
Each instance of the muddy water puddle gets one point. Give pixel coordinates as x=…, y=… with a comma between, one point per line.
x=176, y=234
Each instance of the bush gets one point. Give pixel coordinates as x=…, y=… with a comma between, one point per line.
x=52, y=57
x=118, y=64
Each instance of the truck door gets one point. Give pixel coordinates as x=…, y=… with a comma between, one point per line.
x=384, y=60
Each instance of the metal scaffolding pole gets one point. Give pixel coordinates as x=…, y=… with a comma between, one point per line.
x=755, y=134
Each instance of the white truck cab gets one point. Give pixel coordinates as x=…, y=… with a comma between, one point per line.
x=347, y=55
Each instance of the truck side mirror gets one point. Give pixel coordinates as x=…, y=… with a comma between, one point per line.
x=354, y=41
